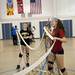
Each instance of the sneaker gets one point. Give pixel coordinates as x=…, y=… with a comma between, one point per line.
x=27, y=65
x=18, y=67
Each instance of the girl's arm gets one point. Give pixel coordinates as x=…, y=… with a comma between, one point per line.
x=63, y=39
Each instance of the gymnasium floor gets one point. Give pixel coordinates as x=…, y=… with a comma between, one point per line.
x=9, y=56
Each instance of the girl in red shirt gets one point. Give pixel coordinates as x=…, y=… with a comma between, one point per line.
x=57, y=53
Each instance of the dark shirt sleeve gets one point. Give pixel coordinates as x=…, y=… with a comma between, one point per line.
x=30, y=33
x=21, y=31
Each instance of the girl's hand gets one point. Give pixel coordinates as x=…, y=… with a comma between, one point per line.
x=30, y=37
x=26, y=37
x=56, y=38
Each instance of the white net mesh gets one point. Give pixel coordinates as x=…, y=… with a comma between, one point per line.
x=37, y=60
x=38, y=57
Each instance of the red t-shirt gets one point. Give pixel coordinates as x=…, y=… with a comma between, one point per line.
x=58, y=44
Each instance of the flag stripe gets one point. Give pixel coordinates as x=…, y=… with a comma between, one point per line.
x=35, y=7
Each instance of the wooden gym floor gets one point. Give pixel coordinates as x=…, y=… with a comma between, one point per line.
x=9, y=56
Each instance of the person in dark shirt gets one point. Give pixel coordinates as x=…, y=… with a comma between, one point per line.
x=57, y=53
x=14, y=36
x=27, y=36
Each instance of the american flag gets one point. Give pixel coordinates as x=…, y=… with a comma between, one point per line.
x=35, y=7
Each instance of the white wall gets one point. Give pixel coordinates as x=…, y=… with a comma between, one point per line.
x=65, y=8
x=1, y=31
x=47, y=11
x=47, y=8
x=73, y=27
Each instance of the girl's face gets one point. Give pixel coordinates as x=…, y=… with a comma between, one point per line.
x=54, y=23
x=25, y=27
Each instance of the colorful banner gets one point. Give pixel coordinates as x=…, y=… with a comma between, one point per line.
x=20, y=6
x=10, y=9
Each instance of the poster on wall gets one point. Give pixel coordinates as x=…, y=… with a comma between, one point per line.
x=10, y=9
x=20, y=6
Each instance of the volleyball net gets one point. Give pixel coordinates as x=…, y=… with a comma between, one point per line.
x=38, y=55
